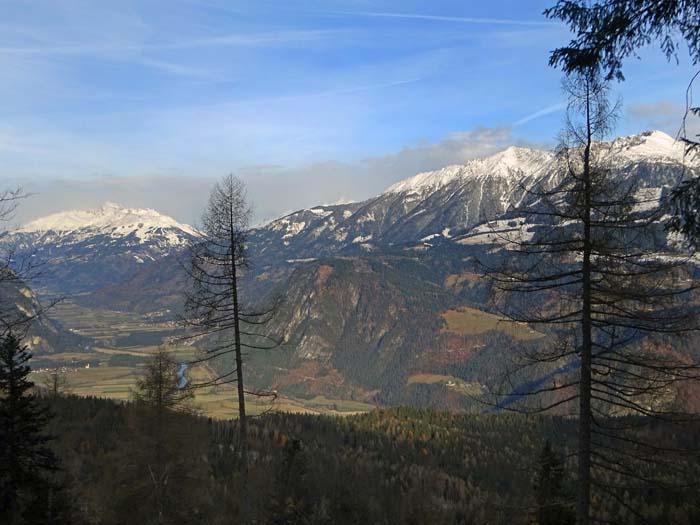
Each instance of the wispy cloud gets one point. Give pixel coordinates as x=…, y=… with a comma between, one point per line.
x=256, y=39
x=142, y=53
x=229, y=40
x=554, y=108
x=180, y=70
x=348, y=90
x=456, y=19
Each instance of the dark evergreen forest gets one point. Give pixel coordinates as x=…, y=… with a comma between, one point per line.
x=389, y=466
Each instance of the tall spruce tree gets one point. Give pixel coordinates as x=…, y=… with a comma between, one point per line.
x=591, y=268
x=26, y=461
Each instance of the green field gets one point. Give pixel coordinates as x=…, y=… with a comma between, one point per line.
x=470, y=321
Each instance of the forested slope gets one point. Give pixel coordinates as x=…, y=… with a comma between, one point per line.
x=387, y=466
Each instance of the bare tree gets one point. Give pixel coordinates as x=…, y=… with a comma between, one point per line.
x=9, y=200
x=610, y=293
x=15, y=271
x=55, y=382
x=213, y=306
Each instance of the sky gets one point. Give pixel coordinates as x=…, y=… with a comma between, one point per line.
x=148, y=102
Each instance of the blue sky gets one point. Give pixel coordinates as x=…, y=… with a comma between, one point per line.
x=146, y=102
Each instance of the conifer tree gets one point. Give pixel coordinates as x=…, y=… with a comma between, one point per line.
x=608, y=31
x=554, y=504
x=161, y=388
x=26, y=459
x=290, y=500
x=591, y=267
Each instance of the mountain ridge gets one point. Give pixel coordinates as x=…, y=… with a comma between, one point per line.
x=429, y=207
x=443, y=203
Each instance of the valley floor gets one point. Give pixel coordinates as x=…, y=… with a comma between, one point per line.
x=121, y=343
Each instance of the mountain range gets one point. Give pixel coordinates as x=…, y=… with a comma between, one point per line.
x=381, y=299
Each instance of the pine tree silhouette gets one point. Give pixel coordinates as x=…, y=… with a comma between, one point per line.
x=554, y=505
x=26, y=459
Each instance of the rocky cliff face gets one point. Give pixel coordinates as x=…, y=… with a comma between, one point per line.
x=373, y=326
x=20, y=309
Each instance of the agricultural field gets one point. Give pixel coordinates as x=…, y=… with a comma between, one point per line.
x=470, y=321
x=123, y=342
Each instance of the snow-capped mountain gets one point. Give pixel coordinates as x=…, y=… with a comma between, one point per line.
x=448, y=203
x=653, y=162
x=113, y=220
x=438, y=203
x=506, y=165
x=650, y=146
x=82, y=250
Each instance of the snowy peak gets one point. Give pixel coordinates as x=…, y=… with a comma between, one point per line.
x=515, y=162
x=428, y=180
x=110, y=217
x=511, y=163
x=650, y=145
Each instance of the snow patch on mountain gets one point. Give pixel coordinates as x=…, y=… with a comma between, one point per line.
x=503, y=231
